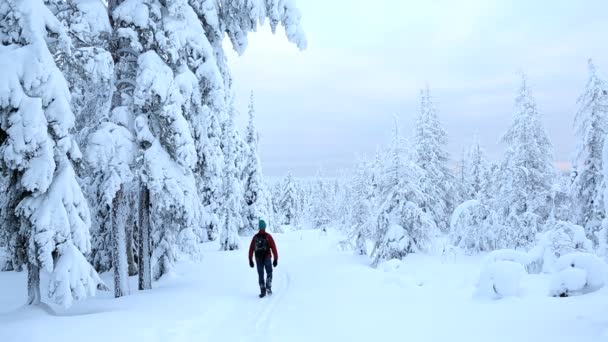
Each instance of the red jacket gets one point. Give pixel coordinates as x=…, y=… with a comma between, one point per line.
x=273, y=246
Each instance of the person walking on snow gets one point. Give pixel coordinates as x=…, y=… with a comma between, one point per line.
x=262, y=245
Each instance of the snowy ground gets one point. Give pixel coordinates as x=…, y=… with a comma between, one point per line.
x=321, y=294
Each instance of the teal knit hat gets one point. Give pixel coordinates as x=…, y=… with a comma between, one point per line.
x=262, y=224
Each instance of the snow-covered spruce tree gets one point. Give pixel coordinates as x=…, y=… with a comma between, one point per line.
x=288, y=201
x=430, y=142
x=591, y=122
x=232, y=197
x=475, y=171
x=255, y=194
x=527, y=173
x=171, y=45
x=37, y=152
x=321, y=202
x=364, y=205
x=403, y=226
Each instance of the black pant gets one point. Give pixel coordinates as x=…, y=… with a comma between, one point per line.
x=264, y=263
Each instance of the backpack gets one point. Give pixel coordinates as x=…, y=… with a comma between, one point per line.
x=261, y=246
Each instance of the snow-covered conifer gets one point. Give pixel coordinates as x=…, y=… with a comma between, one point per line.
x=591, y=123
x=255, y=194
x=527, y=173
x=37, y=152
x=288, y=201
x=430, y=142
x=403, y=226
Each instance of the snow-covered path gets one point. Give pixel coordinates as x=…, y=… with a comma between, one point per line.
x=320, y=294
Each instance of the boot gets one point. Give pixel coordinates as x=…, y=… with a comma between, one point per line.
x=268, y=285
x=262, y=292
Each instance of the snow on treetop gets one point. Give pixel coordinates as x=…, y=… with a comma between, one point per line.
x=137, y=12
x=93, y=19
x=33, y=19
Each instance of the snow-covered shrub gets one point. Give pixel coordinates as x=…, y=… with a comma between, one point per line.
x=560, y=238
x=396, y=243
x=578, y=273
x=564, y=238
x=470, y=229
x=500, y=279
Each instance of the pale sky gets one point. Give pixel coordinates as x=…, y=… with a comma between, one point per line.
x=367, y=60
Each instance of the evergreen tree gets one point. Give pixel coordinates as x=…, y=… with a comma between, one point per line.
x=321, y=202
x=364, y=205
x=527, y=173
x=45, y=215
x=475, y=171
x=288, y=201
x=255, y=194
x=430, y=142
x=232, y=197
x=591, y=122
x=403, y=226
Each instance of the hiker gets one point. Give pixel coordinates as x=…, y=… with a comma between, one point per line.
x=262, y=244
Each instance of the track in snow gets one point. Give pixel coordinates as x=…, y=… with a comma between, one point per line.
x=263, y=323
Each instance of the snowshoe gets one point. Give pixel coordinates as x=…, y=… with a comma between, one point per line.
x=263, y=293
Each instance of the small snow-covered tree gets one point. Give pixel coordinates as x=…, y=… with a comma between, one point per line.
x=321, y=202
x=471, y=228
x=288, y=201
x=475, y=171
x=364, y=204
x=430, y=141
x=591, y=123
x=37, y=152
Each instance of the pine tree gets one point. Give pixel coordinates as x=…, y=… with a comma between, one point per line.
x=364, y=205
x=403, y=226
x=527, y=173
x=255, y=193
x=430, y=142
x=288, y=201
x=164, y=98
x=46, y=217
x=591, y=123
x=321, y=202
x=475, y=171
x=232, y=196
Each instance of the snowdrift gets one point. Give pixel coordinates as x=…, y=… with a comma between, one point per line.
x=578, y=273
x=500, y=279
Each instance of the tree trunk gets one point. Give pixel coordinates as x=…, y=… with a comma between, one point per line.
x=144, y=255
x=130, y=250
x=119, y=244
x=130, y=230
x=33, y=284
